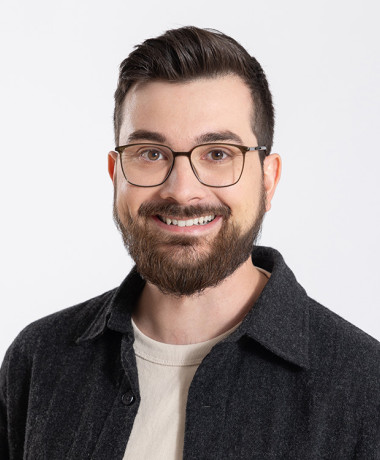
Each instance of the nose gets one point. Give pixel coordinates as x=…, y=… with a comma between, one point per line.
x=182, y=186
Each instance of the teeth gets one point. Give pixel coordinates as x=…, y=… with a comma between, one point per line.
x=190, y=222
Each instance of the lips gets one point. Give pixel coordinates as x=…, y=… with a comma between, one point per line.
x=202, y=220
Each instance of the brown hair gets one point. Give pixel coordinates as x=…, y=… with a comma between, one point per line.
x=188, y=53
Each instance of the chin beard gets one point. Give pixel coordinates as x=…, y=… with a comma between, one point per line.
x=182, y=265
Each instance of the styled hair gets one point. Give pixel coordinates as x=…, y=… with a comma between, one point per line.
x=189, y=53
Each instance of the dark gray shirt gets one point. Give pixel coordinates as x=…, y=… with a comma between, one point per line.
x=294, y=381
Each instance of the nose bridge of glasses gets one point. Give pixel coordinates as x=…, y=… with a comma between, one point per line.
x=181, y=154
x=175, y=164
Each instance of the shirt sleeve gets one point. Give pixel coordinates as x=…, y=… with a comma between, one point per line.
x=14, y=391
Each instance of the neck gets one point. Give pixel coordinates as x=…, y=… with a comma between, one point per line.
x=200, y=317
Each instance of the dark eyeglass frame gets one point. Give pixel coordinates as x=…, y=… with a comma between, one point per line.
x=243, y=148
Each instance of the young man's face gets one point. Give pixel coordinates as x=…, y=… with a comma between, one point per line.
x=181, y=116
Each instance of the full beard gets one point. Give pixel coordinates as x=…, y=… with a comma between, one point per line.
x=182, y=265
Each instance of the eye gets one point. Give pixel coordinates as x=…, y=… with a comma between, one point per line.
x=152, y=154
x=218, y=154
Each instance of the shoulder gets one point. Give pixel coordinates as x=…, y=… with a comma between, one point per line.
x=62, y=327
x=337, y=348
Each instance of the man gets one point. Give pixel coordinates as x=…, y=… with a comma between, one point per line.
x=209, y=348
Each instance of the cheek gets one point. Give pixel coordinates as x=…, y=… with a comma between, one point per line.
x=129, y=197
x=244, y=198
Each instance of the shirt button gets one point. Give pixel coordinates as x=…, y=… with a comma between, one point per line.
x=128, y=398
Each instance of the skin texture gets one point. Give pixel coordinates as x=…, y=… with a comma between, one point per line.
x=183, y=115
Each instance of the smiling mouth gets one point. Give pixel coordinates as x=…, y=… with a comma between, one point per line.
x=203, y=220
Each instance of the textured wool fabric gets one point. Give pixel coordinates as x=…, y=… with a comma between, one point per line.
x=293, y=381
x=165, y=372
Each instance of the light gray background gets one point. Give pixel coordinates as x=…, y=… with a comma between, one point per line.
x=59, y=64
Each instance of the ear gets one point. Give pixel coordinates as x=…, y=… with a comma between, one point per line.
x=112, y=164
x=272, y=173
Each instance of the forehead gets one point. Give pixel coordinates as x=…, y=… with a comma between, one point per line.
x=183, y=111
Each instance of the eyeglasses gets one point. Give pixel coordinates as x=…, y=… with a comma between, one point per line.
x=214, y=165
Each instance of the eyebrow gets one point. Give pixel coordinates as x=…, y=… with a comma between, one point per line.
x=142, y=134
x=153, y=136
x=219, y=136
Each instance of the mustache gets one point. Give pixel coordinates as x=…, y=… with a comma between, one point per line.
x=176, y=210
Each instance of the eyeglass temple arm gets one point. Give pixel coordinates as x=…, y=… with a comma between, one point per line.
x=260, y=148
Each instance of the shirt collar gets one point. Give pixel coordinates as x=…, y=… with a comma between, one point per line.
x=279, y=320
x=115, y=312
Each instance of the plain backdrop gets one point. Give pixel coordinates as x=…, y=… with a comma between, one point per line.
x=59, y=66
